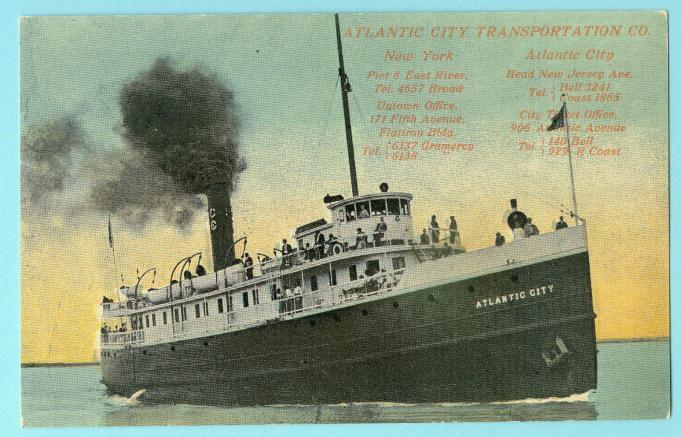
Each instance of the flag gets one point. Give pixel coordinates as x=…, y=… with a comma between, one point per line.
x=111, y=237
x=559, y=120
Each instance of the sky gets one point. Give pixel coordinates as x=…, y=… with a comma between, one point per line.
x=283, y=72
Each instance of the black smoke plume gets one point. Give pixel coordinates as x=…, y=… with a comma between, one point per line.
x=186, y=122
x=47, y=157
x=181, y=142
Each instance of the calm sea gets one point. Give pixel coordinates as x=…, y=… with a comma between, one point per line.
x=633, y=382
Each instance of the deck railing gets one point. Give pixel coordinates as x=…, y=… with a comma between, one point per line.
x=337, y=294
x=122, y=338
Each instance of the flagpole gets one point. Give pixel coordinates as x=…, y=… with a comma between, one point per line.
x=570, y=164
x=113, y=251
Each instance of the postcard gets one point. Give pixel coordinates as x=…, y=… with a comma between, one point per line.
x=334, y=218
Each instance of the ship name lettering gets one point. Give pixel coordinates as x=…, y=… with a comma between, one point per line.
x=515, y=296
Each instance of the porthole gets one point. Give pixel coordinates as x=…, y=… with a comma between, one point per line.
x=395, y=305
x=312, y=323
x=431, y=298
x=365, y=312
x=205, y=344
x=144, y=352
x=515, y=278
x=336, y=317
x=172, y=348
x=470, y=289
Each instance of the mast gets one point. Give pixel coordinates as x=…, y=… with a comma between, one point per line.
x=345, y=89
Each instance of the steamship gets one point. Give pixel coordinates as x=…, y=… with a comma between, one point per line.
x=362, y=309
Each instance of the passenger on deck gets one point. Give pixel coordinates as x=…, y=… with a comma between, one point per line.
x=361, y=239
x=248, y=265
x=435, y=230
x=350, y=215
x=530, y=229
x=424, y=238
x=499, y=239
x=298, y=290
x=363, y=213
x=287, y=250
x=561, y=224
x=278, y=293
x=331, y=240
x=447, y=250
x=288, y=292
x=379, y=231
x=319, y=246
x=308, y=252
x=454, y=233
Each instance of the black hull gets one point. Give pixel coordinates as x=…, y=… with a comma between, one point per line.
x=431, y=345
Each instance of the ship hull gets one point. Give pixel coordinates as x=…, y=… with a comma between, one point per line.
x=451, y=342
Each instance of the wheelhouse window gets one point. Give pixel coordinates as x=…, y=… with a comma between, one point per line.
x=146, y=317
x=405, y=206
x=153, y=319
x=245, y=299
x=393, y=206
x=197, y=311
x=165, y=318
x=254, y=295
x=184, y=313
x=363, y=209
x=205, y=305
x=177, y=315
x=313, y=283
x=332, y=278
x=220, y=305
x=350, y=212
x=230, y=306
x=379, y=207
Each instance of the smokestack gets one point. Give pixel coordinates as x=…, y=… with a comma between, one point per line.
x=222, y=230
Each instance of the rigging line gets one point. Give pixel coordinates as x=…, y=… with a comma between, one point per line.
x=323, y=136
x=362, y=115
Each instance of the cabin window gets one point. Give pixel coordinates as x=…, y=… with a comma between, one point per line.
x=350, y=212
x=245, y=299
x=206, y=308
x=372, y=267
x=254, y=294
x=220, y=306
x=165, y=318
x=405, y=206
x=197, y=312
x=332, y=278
x=177, y=315
x=140, y=323
x=353, y=272
x=230, y=306
x=153, y=319
x=313, y=283
x=363, y=209
x=183, y=310
x=398, y=263
x=146, y=317
x=379, y=207
x=393, y=206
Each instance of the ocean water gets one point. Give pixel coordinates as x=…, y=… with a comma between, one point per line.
x=633, y=383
